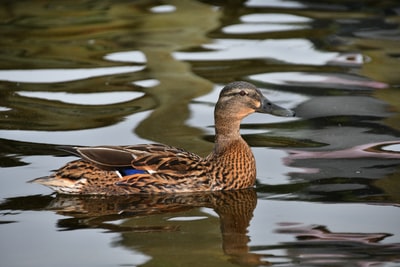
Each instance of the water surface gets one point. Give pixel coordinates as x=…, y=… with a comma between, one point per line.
x=118, y=72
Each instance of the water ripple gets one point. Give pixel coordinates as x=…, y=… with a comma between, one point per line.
x=62, y=75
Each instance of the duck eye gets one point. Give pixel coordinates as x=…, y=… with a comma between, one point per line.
x=242, y=93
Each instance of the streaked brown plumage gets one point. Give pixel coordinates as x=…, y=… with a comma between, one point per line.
x=157, y=168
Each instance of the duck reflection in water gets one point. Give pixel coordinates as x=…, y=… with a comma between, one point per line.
x=153, y=221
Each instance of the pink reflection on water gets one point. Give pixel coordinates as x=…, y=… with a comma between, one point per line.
x=321, y=80
x=316, y=244
x=372, y=150
x=321, y=233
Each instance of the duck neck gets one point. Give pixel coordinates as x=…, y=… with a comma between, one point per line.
x=227, y=130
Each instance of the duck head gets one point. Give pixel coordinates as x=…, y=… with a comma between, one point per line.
x=240, y=99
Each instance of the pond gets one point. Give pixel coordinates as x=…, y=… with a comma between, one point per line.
x=127, y=72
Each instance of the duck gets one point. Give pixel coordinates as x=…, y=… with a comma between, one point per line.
x=159, y=168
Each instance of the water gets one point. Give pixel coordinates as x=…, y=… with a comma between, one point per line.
x=117, y=72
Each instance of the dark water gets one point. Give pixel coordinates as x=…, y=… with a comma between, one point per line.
x=124, y=72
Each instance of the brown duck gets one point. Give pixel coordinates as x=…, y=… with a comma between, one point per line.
x=157, y=168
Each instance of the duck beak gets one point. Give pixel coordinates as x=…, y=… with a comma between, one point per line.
x=273, y=109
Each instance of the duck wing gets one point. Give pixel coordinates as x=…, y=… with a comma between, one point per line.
x=149, y=157
x=106, y=157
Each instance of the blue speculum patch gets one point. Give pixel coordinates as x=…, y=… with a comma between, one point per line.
x=130, y=171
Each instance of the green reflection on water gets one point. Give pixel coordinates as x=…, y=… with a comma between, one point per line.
x=67, y=34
